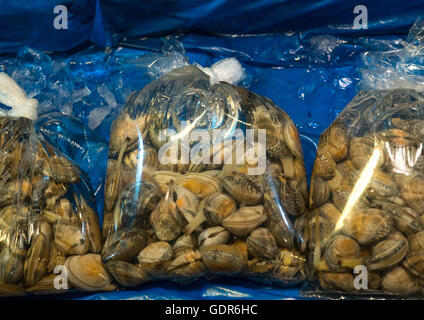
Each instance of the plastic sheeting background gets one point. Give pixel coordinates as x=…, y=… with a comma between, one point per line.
x=304, y=55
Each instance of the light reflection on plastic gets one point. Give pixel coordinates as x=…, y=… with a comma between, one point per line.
x=402, y=158
x=360, y=186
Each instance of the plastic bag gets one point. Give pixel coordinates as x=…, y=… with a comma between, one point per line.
x=203, y=180
x=48, y=221
x=366, y=229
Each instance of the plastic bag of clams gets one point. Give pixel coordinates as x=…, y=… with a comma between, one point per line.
x=366, y=229
x=50, y=237
x=204, y=180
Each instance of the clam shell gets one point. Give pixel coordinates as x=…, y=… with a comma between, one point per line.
x=164, y=222
x=388, y=252
x=187, y=266
x=218, y=206
x=368, y=226
x=200, y=184
x=399, y=281
x=86, y=272
x=361, y=150
x=155, y=254
x=339, y=281
x=37, y=259
x=336, y=141
x=291, y=198
x=261, y=243
x=414, y=263
x=69, y=239
x=213, y=235
x=320, y=192
x=184, y=243
x=241, y=222
x=124, y=245
x=223, y=259
x=324, y=165
x=330, y=212
x=341, y=251
x=164, y=178
x=243, y=188
x=127, y=274
x=416, y=241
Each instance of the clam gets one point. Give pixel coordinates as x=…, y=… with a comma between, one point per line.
x=404, y=218
x=399, y=281
x=37, y=259
x=360, y=150
x=412, y=190
x=342, y=252
x=12, y=264
x=368, y=225
x=200, y=184
x=164, y=178
x=56, y=257
x=184, y=243
x=416, y=241
x=127, y=274
x=149, y=159
x=243, y=221
x=320, y=192
x=213, y=235
x=261, y=243
x=90, y=221
x=339, y=281
x=388, y=252
x=188, y=266
x=125, y=131
x=291, y=198
x=63, y=170
x=324, y=165
x=46, y=285
x=187, y=204
x=86, y=272
x=164, y=222
x=69, y=239
x=124, y=245
x=223, y=259
x=155, y=255
x=414, y=263
x=292, y=139
x=278, y=223
x=330, y=212
x=139, y=199
x=336, y=141
x=113, y=181
x=243, y=188
x=381, y=186
x=213, y=209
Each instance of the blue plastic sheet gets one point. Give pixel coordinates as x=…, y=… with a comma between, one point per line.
x=311, y=72
x=31, y=23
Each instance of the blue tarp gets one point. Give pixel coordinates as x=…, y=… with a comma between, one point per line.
x=304, y=55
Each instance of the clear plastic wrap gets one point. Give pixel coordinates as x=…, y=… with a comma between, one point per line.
x=50, y=236
x=366, y=226
x=204, y=179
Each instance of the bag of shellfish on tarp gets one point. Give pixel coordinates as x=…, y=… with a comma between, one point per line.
x=50, y=237
x=366, y=227
x=204, y=179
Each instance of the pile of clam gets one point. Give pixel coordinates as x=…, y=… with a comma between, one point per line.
x=186, y=221
x=44, y=220
x=367, y=196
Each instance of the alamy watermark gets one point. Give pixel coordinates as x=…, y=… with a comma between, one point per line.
x=202, y=146
x=61, y=20
x=361, y=20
